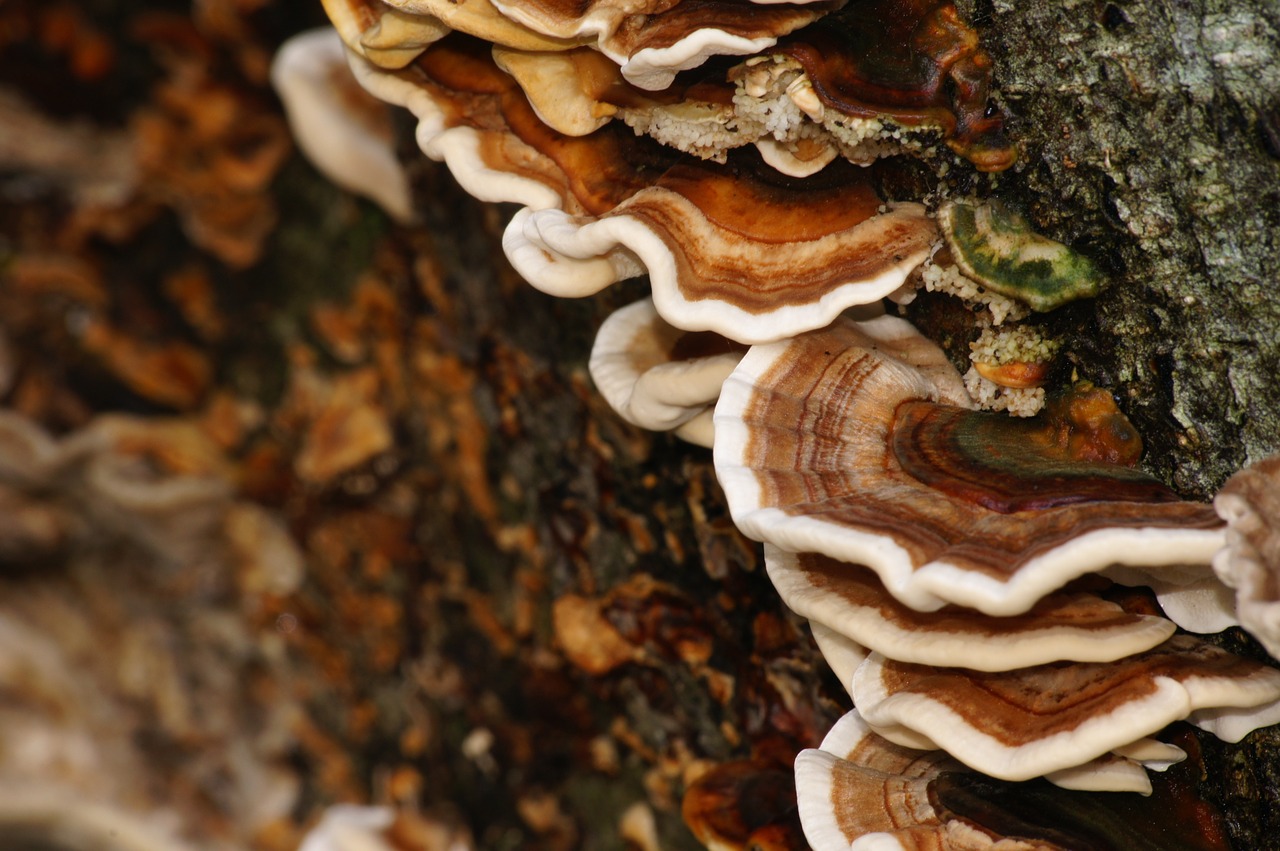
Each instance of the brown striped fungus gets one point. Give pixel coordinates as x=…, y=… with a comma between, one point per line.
x=966, y=573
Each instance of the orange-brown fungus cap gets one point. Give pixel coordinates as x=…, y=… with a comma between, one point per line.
x=738, y=249
x=851, y=600
x=859, y=786
x=742, y=805
x=912, y=61
x=829, y=443
x=1026, y=723
x=456, y=86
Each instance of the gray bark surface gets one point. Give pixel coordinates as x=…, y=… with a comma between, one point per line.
x=1151, y=141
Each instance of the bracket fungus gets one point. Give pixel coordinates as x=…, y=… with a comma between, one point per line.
x=1250, y=561
x=996, y=247
x=480, y=18
x=652, y=41
x=944, y=555
x=913, y=62
x=344, y=132
x=859, y=792
x=737, y=249
x=1026, y=723
x=828, y=443
x=381, y=33
x=850, y=600
x=659, y=377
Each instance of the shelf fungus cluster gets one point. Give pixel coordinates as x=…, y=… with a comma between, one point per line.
x=967, y=574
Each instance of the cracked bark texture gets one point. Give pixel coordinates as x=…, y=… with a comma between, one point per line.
x=1151, y=140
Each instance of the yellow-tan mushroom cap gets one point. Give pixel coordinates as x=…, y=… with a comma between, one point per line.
x=382, y=34
x=828, y=443
x=479, y=18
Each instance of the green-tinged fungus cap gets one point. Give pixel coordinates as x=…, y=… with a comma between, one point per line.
x=997, y=248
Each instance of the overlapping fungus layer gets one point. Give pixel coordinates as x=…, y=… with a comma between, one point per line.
x=956, y=565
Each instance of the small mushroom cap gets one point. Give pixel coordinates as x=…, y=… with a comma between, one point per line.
x=1190, y=595
x=657, y=376
x=1250, y=561
x=828, y=443
x=796, y=160
x=654, y=40
x=564, y=88
x=997, y=247
x=1122, y=770
x=481, y=19
x=1021, y=724
x=735, y=249
x=1063, y=626
x=381, y=34
x=344, y=132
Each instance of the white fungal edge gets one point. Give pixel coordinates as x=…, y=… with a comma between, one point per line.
x=1191, y=596
x=934, y=584
x=456, y=147
x=664, y=396
x=815, y=790
x=571, y=256
x=781, y=159
x=651, y=68
x=814, y=787
x=999, y=652
x=1241, y=567
x=654, y=68
x=1228, y=707
x=339, y=147
x=1108, y=773
x=843, y=655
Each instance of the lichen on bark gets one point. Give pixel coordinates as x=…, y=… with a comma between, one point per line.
x=1149, y=136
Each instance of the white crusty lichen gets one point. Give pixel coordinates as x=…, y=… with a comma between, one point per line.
x=1008, y=345
x=1013, y=344
x=950, y=280
x=775, y=104
x=707, y=131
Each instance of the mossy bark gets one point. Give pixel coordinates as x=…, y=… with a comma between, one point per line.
x=1151, y=141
